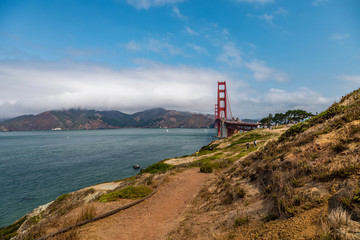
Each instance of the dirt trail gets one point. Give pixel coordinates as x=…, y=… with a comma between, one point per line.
x=153, y=218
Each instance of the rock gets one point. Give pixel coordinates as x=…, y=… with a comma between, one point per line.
x=335, y=200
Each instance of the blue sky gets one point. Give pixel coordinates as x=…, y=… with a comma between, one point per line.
x=131, y=55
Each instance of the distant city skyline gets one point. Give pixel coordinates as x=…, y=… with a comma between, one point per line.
x=133, y=55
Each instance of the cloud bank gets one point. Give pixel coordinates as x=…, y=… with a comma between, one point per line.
x=31, y=88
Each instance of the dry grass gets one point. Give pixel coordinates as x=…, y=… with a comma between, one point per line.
x=70, y=235
x=339, y=217
x=87, y=212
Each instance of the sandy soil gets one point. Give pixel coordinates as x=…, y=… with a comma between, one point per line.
x=104, y=186
x=153, y=218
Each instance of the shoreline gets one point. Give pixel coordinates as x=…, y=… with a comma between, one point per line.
x=96, y=185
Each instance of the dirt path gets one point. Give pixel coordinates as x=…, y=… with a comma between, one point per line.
x=153, y=218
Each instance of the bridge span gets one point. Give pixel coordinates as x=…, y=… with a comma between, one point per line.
x=227, y=127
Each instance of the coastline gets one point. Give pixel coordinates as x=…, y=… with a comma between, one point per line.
x=204, y=137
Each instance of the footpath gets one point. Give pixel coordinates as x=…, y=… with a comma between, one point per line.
x=155, y=217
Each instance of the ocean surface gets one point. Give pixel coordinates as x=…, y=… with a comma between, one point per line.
x=37, y=167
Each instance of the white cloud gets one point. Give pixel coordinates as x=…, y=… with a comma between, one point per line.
x=178, y=13
x=146, y=4
x=133, y=46
x=247, y=102
x=353, y=79
x=29, y=88
x=302, y=98
x=255, y=1
x=33, y=88
x=191, y=32
x=197, y=48
x=317, y=3
x=162, y=46
x=231, y=55
x=270, y=17
x=267, y=17
x=339, y=37
x=262, y=72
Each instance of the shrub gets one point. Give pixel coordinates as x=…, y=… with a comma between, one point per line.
x=34, y=219
x=339, y=147
x=90, y=191
x=241, y=193
x=239, y=221
x=159, y=167
x=294, y=130
x=343, y=173
x=346, y=202
x=129, y=192
x=356, y=198
x=327, y=114
x=10, y=231
x=228, y=198
x=296, y=182
x=206, y=168
x=207, y=149
x=87, y=212
x=62, y=197
x=270, y=217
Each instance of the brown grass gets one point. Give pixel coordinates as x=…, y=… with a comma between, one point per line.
x=87, y=212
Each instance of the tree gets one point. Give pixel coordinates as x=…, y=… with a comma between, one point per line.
x=266, y=121
x=291, y=116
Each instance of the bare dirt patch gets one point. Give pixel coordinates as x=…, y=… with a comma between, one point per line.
x=153, y=218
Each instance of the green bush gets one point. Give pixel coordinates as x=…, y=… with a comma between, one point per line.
x=239, y=221
x=206, y=168
x=62, y=197
x=356, y=198
x=159, y=167
x=343, y=173
x=294, y=130
x=207, y=149
x=10, y=231
x=129, y=192
x=327, y=114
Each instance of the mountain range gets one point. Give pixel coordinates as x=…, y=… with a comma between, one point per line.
x=77, y=119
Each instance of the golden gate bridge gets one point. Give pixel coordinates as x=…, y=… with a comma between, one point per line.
x=228, y=126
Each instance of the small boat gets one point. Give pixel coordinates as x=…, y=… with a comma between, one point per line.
x=136, y=166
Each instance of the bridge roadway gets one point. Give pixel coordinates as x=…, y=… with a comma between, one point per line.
x=228, y=127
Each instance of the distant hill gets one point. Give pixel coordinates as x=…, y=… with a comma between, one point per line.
x=75, y=119
x=250, y=120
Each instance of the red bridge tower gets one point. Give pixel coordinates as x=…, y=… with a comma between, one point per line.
x=226, y=127
x=221, y=106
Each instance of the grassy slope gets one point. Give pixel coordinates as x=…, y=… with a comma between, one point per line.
x=303, y=185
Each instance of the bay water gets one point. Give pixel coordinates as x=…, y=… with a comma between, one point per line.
x=36, y=167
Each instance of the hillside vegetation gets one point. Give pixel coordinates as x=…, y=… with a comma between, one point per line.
x=298, y=182
x=302, y=185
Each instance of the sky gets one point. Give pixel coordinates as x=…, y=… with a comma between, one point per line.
x=132, y=55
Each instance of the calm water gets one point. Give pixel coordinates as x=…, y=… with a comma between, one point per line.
x=36, y=167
